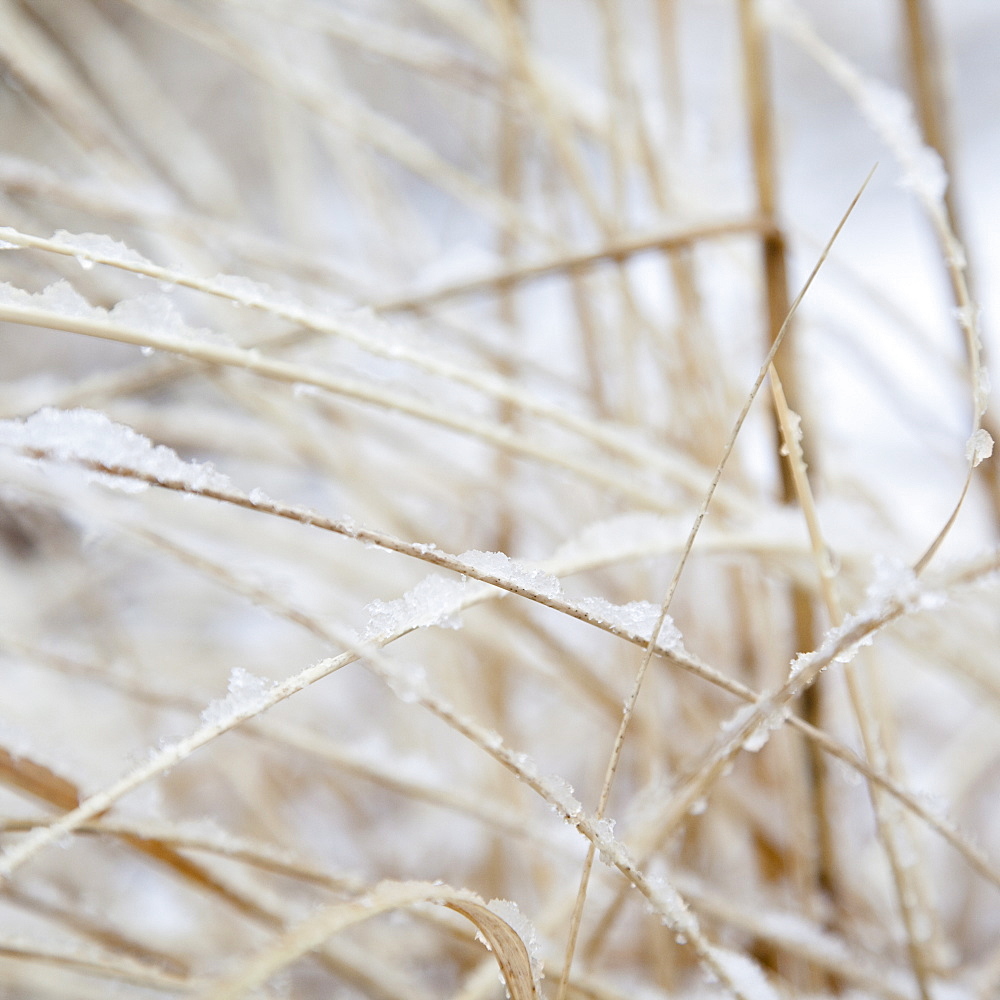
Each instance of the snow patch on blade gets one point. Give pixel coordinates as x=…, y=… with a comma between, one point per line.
x=90, y=438
x=436, y=600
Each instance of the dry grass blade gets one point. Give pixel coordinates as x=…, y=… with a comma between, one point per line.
x=38, y=780
x=504, y=941
x=612, y=252
x=106, y=966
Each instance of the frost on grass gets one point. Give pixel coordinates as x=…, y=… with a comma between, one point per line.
x=98, y=245
x=894, y=589
x=610, y=850
x=891, y=114
x=983, y=387
x=770, y=721
x=509, y=912
x=604, y=840
x=60, y=298
x=744, y=974
x=513, y=573
x=635, y=618
x=887, y=109
x=433, y=601
x=795, y=433
x=672, y=909
x=248, y=695
x=247, y=292
x=895, y=584
x=759, y=719
x=90, y=438
x=979, y=447
x=153, y=314
x=892, y=580
x=559, y=793
x=157, y=314
x=850, y=651
x=834, y=647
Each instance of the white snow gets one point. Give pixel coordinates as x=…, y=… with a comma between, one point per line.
x=609, y=850
x=510, y=913
x=60, y=298
x=98, y=245
x=738, y=719
x=979, y=447
x=492, y=740
x=560, y=793
x=248, y=694
x=892, y=580
x=888, y=110
x=435, y=600
x=672, y=909
x=772, y=720
x=635, y=618
x=848, y=654
x=744, y=974
x=512, y=572
x=246, y=291
x=982, y=390
x=89, y=437
x=763, y=717
x=795, y=427
x=238, y=287
x=156, y=313
x=894, y=587
x=891, y=114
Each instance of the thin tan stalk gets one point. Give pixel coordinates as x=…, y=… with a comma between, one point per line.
x=922, y=53
x=877, y=730
x=760, y=123
x=647, y=656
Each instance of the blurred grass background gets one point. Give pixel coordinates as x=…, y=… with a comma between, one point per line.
x=550, y=244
